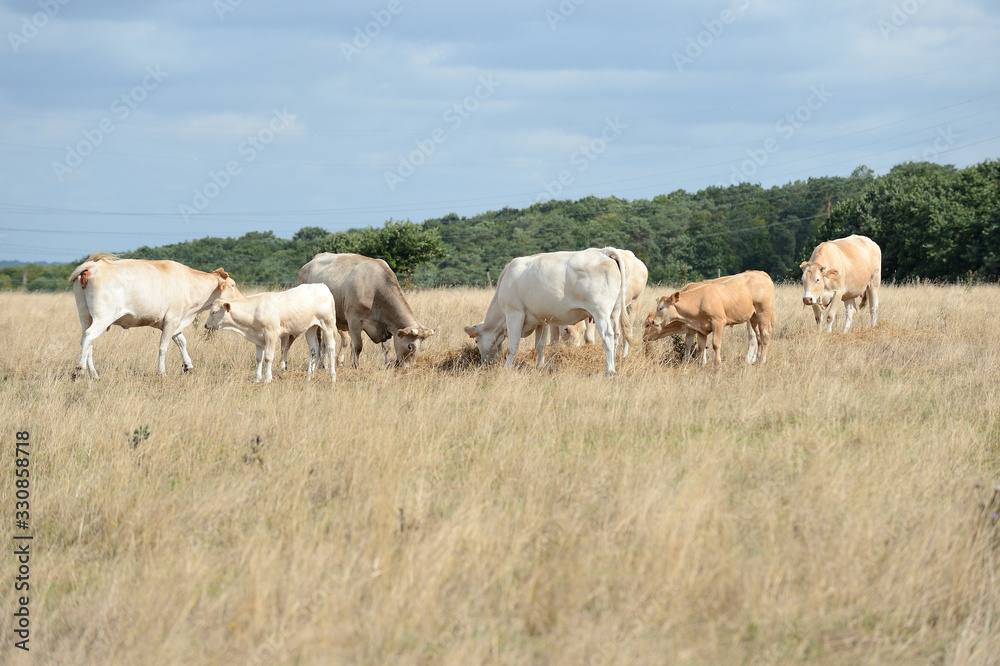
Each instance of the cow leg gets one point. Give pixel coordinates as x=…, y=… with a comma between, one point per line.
x=354, y=328
x=286, y=344
x=541, y=338
x=625, y=347
x=702, y=348
x=606, y=329
x=818, y=314
x=589, y=332
x=718, y=326
x=187, y=365
x=345, y=344
x=327, y=350
x=554, y=334
x=270, y=348
x=873, y=300
x=90, y=334
x=764, y=330
x=260, y=364
x=850, y=306
x=515, y=322
x=689, y=338
x=753, y=328
x=169, y=331
x=314, y=351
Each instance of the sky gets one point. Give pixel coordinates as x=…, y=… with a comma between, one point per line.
x=152, y=122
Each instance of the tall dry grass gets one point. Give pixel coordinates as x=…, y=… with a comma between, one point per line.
x=823, y=508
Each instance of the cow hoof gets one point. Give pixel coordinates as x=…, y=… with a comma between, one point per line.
x=76, y=374
x=187, y=368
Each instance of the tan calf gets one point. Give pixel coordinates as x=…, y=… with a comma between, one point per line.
x=708, y=308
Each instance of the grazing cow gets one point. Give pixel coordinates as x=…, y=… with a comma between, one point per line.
x=842, y=270
x=710, y=307
x=556, y=288
x=264, y=319
x=368, y=299
x=135, y=292
x=653, y=332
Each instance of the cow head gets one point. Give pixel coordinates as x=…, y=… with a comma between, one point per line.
x=489, y=341
x=407, y=343
x=227, y=286
x=218, y=315
x=573, y=334
x=665, y=320
x=819, y=282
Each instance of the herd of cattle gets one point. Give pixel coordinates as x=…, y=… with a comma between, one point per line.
x=568, y=295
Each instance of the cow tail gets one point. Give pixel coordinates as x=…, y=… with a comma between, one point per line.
x=83, y=272
x=624, y=322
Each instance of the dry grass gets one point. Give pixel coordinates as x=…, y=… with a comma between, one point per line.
x=822, y=509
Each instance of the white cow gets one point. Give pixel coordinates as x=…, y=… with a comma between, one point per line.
x=842, y=270
x=556, y=288
x=638, y=274
x=135, y=292
x=264, y=319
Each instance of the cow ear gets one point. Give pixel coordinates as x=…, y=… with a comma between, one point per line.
x=803, y=265
x=832, y=273
x=471, y=331
x=227, y=306
x=426, y=333
x=674, y=297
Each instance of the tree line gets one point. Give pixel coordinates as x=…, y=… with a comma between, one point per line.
x=932, y=221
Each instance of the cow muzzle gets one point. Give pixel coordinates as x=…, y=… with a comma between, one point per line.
x=808, y=300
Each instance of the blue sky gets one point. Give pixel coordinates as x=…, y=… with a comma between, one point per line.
x=144, y=123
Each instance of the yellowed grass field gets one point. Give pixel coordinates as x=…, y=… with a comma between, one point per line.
x=821, y=509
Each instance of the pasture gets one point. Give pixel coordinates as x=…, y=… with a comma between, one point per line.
x=826, y=508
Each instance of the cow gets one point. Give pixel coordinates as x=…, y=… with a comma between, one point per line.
x=842, y=270
x=368, y=299
x=711, y=306
x=581, y=333
x=135, y=292
x=264, y=319
x=653, y=332
x=556, y=288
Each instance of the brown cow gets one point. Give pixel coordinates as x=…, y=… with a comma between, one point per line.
x=842, y=270
x=710, y=307
x=653, y=332
x=368, y=300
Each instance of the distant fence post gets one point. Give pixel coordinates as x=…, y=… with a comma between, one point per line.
x=489, y=280
x=718, y=272
x=24, y=280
